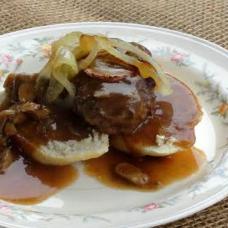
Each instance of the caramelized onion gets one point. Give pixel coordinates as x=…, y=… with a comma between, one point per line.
x=77, y=51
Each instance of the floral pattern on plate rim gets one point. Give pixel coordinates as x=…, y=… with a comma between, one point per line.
x=40, y=49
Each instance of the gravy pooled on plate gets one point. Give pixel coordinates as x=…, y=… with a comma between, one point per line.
x=103, y=100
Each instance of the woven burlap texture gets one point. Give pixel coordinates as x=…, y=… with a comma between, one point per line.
x=204, y=18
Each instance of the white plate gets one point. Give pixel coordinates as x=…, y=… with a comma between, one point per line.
x=87, y=203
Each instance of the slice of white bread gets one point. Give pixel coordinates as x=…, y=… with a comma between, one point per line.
x=65, y=152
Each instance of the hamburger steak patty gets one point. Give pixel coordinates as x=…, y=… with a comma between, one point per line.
x=114, y=107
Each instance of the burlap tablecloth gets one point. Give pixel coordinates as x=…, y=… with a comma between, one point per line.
x=204, y=18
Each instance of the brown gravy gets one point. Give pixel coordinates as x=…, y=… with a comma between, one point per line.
x=28, y=182
x=62, y=126
x=162, y=171
x=175, y=115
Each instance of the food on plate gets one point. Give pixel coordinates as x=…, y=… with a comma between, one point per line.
x=54, y=142
x=103, y=100
x=170, y=127
x=131, y=173
x=116, y=107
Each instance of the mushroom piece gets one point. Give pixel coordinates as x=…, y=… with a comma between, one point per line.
x=36, y=110
x=26, y=92
x=6, y=155
x=132, y=173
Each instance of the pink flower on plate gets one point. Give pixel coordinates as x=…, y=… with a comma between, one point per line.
x=150, y=207
x=178, y=57
x=6, y=59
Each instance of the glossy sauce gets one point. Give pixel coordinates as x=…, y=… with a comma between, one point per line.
x=63, y=125
x=162, y=171
x=175, y=115
x=28, y=182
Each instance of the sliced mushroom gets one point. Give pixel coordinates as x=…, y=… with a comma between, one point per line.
x=6, y=155
x=10, y=129
x=110, y=69
x=132, y=173
x=19, y=118
x=20, y=88
x=7, y=113
x=6, y=158
x=36, y=110
x=26, y=92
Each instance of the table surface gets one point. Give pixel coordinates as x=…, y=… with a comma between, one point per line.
x=204, y=18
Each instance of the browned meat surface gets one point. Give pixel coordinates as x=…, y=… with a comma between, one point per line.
x=111, y=95
x=114, y=107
